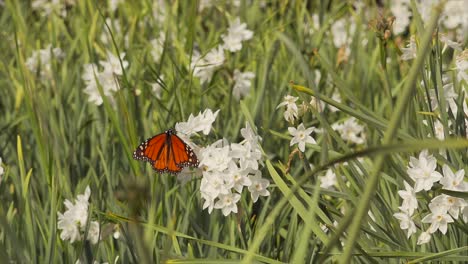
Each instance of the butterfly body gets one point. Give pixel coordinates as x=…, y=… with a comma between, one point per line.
x=167, y=153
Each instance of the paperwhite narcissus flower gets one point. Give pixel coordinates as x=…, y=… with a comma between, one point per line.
x=41, y=59
x=450, y=98
x=229, y=167
x=328, y=180
x=450, y=204
x=203, y=68
x=438, y=218
x=342, y=30
x=301, y=136
x=258, y=186
x=350, y=131
x=156, y=87
x=73, y=221
x=410, y=203
x=406, y=222
x=292, y=110
x=228, y=203
x=106, y=79
x=448, y=42
x=410, y=51
x=200, y=123
x=237, y=32
x=337, y=97
x=93, y=232
x=402, y=13
x=112, y=64
x=242, y=83
x=318, y=105
x=453, y=182
x=423, y=172
x=424, y=238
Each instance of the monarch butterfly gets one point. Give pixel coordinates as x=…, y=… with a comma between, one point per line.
x=166, y=152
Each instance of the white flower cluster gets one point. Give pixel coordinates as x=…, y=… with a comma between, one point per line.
x=204, y=66
x=237, y=32
x=73, y=221
x=443, y=208
x=242, y=83
x=105, y=78
x=351, y=131
x=401, y=11
x=41, y=60
x=226, y=168
x=294, y=111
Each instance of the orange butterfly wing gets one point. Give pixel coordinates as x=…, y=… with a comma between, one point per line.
x=166, y=152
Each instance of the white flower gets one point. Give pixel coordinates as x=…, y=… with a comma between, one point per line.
x=301, y=136
x=406, y=222
x=70, y=230
x=410, y=203
x=350, y=131
x=422, y=171
x=452, y=44
x=258, y=186
x=336, y=97
x=450, y=97
x=438, y=218
x=203, y=68
x=242, y=83
x=292, y=110
x=424, y=238
x=156, y=87
x=113, y=4
x=41, y=60
x=214, y=158
x=74, y=218
x=247, y=156
x=454, y=182
x=227, y=203
x=95, y=78
x=438, y=129
x=342, y=30
x=402, y=13
x=239, y=177
x=328, y=180
x=450, y=204
x=237, y=32
x=318, y=105
x=200, y=123
x=93, y=232
x=113, y=65
x=410, y=51
x=157, y=47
